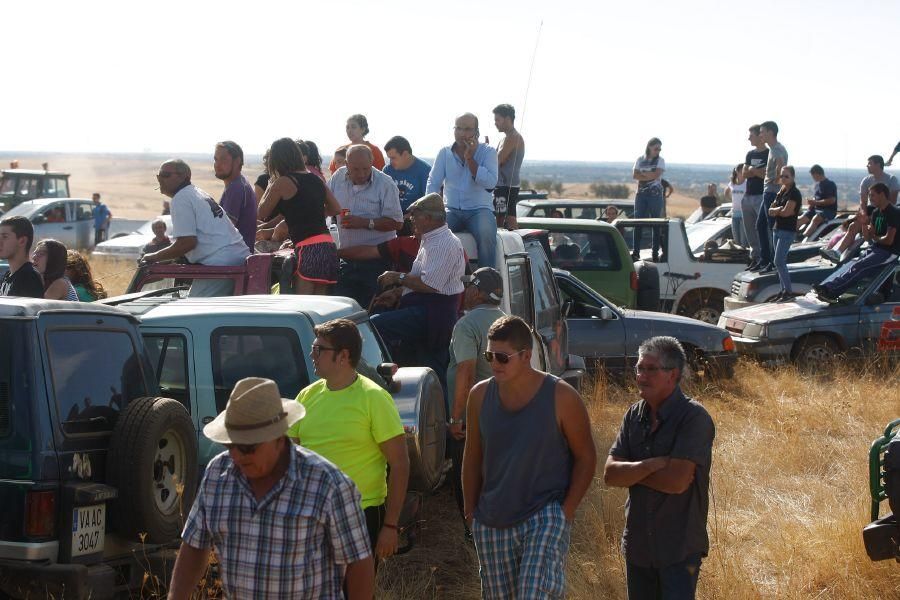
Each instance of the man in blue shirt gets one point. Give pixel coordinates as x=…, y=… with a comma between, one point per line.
x=408, y=172
x=102, y=217
x=467, y=171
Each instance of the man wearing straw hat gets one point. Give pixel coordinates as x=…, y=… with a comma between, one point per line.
x=285, y=523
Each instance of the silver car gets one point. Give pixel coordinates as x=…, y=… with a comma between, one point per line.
x=69, y=220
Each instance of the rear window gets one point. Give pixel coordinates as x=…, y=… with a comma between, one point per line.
x=273, y=353
x=594, y=251
x=13, y=373
x=95, y=375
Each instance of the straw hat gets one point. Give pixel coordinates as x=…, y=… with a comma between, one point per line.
x=255, y=413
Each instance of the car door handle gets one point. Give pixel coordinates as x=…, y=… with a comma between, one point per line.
x=67, y=227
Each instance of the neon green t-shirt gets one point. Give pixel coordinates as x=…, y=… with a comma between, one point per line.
x=346, y=427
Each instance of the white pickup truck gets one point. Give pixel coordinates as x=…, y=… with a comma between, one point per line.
x=691, y=283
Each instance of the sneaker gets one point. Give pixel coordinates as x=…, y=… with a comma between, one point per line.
x=823, y=293
x=753, y=265
x=767, y=268
x=778, y=297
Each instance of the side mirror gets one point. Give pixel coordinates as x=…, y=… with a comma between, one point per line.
x=38, y=219
x=567, y=307
x=606, y=313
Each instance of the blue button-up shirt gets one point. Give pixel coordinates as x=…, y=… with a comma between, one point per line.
x=374, y=199
x=461, y=190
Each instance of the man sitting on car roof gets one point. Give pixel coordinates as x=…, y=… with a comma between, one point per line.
x=428, y=296
x=881, y=230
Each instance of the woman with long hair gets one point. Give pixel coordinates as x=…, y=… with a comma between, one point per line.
x=734, y=193
x=49, y=258
x=79, y=273
x=648, y=201
x=313, y=158
x=357, y=129
x=304, y=201
x=785, y=208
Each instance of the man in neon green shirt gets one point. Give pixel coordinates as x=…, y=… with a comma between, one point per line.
x=353, y=422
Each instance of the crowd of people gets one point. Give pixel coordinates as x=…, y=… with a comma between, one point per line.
x=320, y=480
x=768, y=210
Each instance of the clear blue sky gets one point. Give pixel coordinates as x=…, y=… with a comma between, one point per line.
x=178, y=76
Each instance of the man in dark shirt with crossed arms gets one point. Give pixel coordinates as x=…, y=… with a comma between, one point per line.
x=662, y=455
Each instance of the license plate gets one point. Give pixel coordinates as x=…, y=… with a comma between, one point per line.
x=88, y=529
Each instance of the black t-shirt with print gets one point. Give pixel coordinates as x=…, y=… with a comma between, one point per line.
x=25, y=282
x=882, y=220
x=756, y=158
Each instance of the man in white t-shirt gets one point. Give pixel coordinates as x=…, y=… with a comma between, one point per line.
x=203, y=232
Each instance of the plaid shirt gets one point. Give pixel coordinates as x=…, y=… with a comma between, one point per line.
x=293, y=543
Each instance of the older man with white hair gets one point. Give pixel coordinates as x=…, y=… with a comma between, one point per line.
x=663, y=455
x=371, y=214
x=267, y=506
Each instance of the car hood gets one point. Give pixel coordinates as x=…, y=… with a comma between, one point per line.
x=126, y=243
x=800, y=307
x=810, y=266
x=663, y=320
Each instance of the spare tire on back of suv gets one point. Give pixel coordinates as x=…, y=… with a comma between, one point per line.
x=648, y=285
x=153, y=464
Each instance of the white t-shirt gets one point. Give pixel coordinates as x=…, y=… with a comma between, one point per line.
x=738, y=191
x=219, y=243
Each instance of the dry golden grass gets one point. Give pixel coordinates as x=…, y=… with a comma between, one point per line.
x=114, y=273
x=789, y=497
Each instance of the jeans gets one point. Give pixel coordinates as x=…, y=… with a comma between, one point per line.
x=647, y=205
x=764, y=225
x=783, y=240
x=674, y=582
x=482, y=224
x=750, y=206
x=842, y=279
x=406, y=330
x=737, y=230
x=358, y=279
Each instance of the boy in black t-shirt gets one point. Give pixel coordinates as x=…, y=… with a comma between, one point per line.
x=754, y=173
x=16, y=236
x=882, y=229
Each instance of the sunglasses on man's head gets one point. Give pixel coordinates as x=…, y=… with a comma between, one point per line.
x=502, y=357
x=243, y=448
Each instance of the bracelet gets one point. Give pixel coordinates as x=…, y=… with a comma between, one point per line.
x=389, y=526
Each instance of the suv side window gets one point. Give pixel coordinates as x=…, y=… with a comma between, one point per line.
x=546, y=307
x=169, y=360
x=95, y=375
x=518, y=287
x=271, y=352
x=27, y=188
x=372, y=354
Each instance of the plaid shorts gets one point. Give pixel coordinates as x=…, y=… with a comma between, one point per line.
x=526, y=561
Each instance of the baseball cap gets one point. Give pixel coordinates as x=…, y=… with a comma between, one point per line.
x=488, y=280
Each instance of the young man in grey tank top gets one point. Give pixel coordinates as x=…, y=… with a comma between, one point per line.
x=528, y=461
x=510, y=154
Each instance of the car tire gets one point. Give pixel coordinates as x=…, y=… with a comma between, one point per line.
x=813, y=353
x=703, y=305
x=427, y=456
x=153, y=465
x=648, y=285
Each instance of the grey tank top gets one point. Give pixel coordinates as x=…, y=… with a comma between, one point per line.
x=526, y=462
x=508, y=174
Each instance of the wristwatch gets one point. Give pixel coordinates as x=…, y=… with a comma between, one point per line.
x=371, y=224
x=402, y=278
x=454, y=421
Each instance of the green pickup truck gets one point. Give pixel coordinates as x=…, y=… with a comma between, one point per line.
x=594, y=252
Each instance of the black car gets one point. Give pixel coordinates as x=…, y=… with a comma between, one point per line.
x=608, y=337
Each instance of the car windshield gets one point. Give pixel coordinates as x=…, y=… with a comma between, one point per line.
x=700, y=233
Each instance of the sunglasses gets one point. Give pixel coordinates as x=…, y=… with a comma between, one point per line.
x=243, y=448
x=317, y=350
x=502, y=357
